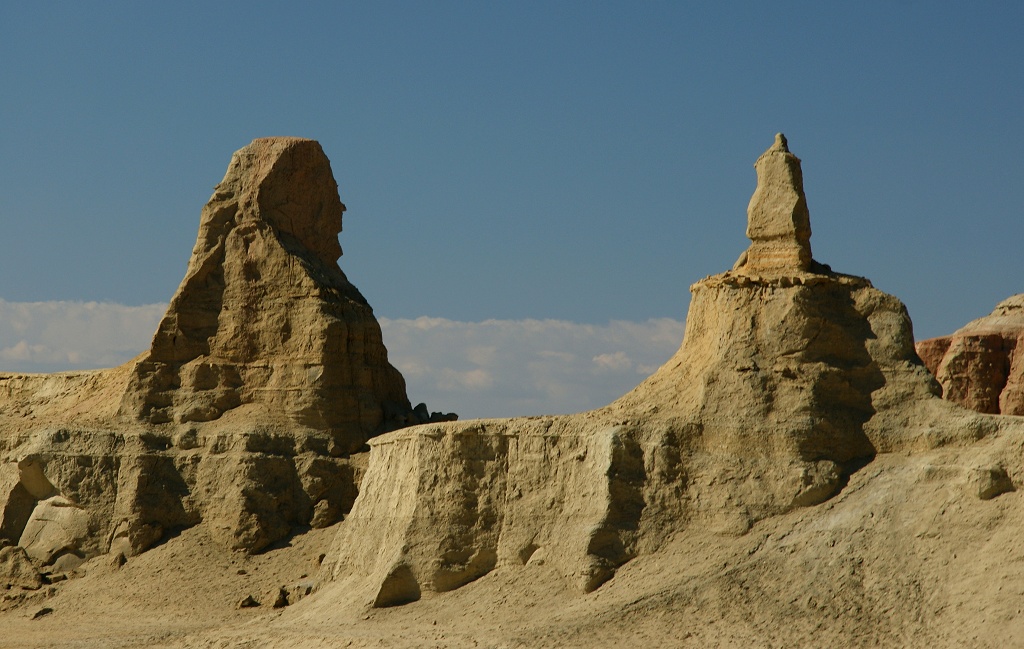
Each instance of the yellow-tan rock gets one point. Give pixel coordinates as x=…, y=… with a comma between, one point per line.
x=265, y=379
x=778, y=223
x=790, y=378
x=265, y=316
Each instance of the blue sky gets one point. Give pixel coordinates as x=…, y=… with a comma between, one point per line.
x=576, y=162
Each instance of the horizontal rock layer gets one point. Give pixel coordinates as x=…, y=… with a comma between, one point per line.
x=86, y=492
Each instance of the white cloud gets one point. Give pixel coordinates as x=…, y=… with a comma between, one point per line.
x=22, y=352
x=613, y=362
x=55, y=336
x=494, y=368
x=503, y=368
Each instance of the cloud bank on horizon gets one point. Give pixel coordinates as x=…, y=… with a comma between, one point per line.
x=493, y=368
x=505, y=368
x=66, y=335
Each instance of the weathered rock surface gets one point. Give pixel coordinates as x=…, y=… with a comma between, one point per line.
x=789, y=379
x=697, y=491
x=778, y=222
x=265, y=376
x=17, y=570
x=981, y=365
x=264, y=315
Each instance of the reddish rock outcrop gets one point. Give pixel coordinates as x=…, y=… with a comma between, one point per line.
x=981, y=365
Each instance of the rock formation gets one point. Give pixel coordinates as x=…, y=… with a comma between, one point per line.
x=778, y=223
x=790, y=378
x=264, y=315
x=790, y=477
x=981, y=365
x=266, y=375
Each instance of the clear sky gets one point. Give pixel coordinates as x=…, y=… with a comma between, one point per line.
x=580, y=162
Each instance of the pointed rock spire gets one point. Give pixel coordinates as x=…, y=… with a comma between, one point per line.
x=265, y=317
x=778, y=223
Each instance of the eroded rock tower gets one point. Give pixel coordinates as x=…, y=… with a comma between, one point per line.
x=266, y=374
x=265, y=317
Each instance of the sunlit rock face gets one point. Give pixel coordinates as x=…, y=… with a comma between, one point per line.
x=778, y=223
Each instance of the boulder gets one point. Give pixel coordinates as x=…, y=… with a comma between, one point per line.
x=56, y=527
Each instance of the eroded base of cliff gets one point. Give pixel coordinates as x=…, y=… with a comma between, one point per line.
x=916, y=551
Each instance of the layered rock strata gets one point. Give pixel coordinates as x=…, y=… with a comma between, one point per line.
x=790, y=377
x=981, y=365
x=265, y=376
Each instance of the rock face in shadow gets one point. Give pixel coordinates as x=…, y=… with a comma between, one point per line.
x=790, y=377
x=981, y=365
x=265, y=378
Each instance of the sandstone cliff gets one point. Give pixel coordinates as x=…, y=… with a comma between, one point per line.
x=981, y=365
x=790, y=378
x=265, y=375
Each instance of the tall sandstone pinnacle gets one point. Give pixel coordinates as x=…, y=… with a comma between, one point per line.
x=265, y=378
x=789, y=379
x=264, y=316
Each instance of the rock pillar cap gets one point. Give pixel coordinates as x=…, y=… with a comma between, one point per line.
x=778, y=223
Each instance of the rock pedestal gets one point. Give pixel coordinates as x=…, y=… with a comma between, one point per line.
x=790, y=377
